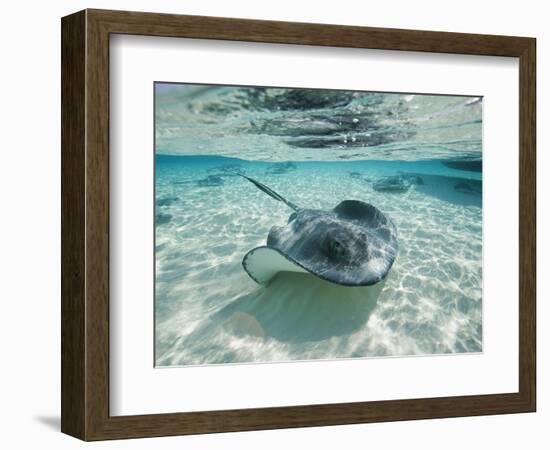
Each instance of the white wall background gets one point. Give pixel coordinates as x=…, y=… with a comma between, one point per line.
x=30, y=222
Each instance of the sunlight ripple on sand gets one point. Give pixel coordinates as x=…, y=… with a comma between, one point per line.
x=209, y=311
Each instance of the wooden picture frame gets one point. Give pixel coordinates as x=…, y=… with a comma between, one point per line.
x=85, y=224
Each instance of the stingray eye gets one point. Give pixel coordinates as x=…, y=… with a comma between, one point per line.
x=335, y=250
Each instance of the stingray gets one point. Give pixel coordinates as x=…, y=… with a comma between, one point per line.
x=465, y=188
x=353, y=244
x=280, y=168
x=411, y=178
x=210, y=181
x=227, y=170
x=166, y=201
x=162, y=219
x=391, y=184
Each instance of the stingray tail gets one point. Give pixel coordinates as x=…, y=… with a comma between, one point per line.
x=271, y=192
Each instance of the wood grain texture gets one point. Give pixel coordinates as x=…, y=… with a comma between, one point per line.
x=170, y=25
x=97, y=225
x=73, y=320
x=85, y=224
x=527, y=224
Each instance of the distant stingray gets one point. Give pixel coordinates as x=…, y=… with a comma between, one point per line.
x=227, y=170
x=353, y=244
x=392, y=184
x=166, y=201
x=162, y=219
x=411, y=178
x=210, y=181
x=280, y=168
x=466, y=188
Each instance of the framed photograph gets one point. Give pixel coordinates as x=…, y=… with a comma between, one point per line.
x=273, y=225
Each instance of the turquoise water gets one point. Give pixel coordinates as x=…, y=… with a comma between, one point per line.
x=316, y=150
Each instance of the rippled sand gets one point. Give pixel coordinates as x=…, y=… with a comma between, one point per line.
x=208, y=311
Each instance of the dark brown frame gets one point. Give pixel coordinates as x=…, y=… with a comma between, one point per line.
x=85, y=224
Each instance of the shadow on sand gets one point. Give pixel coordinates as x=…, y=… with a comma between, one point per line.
x=300, y=308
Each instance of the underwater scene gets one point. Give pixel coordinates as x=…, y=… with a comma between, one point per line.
x=303, y=224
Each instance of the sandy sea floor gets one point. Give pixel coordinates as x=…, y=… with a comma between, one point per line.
x=208, y=311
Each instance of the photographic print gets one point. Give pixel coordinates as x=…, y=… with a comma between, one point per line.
x=296, y=224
